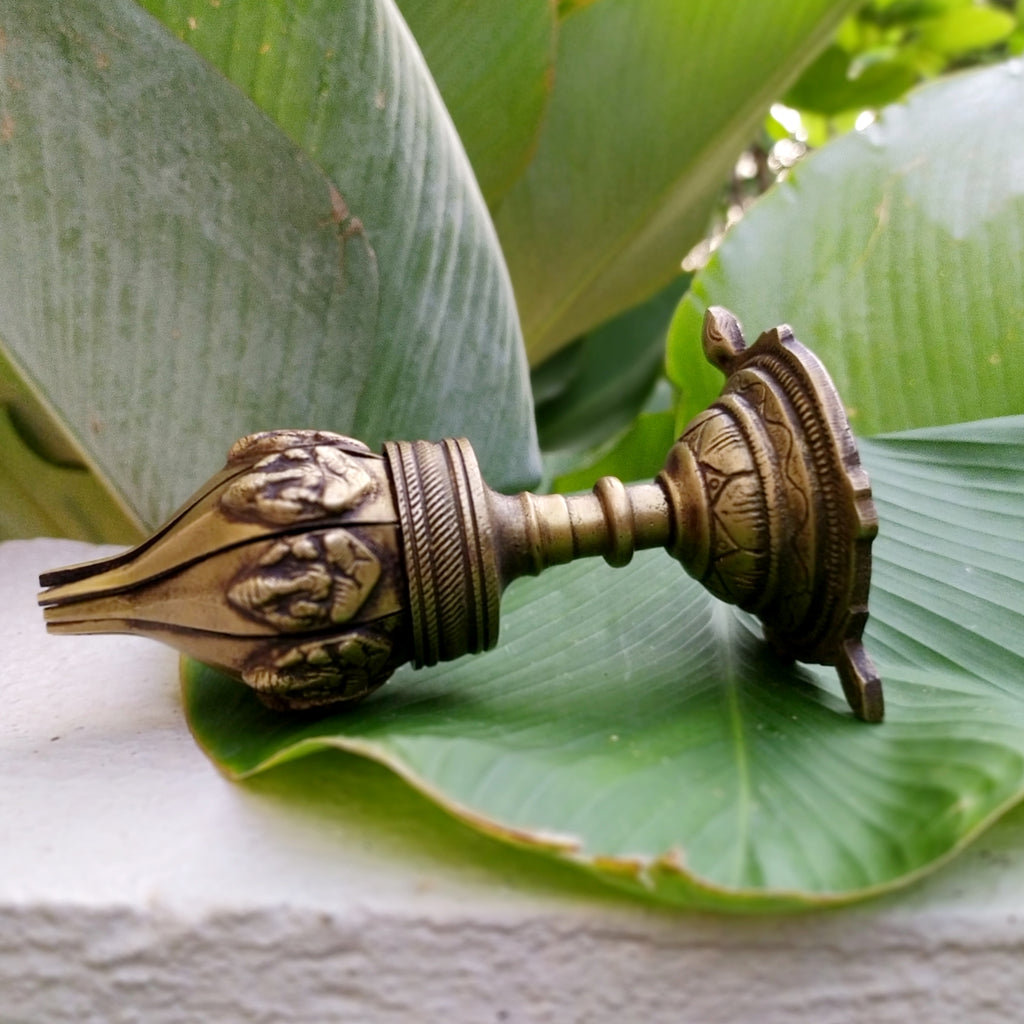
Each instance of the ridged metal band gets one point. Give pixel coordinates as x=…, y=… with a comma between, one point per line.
x=450, y=563
x=846, y=520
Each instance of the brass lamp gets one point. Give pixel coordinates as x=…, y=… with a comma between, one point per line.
x=311, y=568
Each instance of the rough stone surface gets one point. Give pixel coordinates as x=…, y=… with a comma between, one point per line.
x=136, y=884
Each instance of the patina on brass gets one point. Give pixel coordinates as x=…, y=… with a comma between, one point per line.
x=311, y=568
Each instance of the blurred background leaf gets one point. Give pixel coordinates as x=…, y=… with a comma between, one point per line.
x=494, y=62
x=886, y=46
x=591, y=391
x=653, y=102
x=46, y=489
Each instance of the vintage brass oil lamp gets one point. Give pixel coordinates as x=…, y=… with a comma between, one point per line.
x=311, y=568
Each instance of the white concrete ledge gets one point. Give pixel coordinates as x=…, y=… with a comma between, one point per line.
x=136, y=884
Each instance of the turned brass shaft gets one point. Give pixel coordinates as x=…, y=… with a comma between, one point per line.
x=613, y=521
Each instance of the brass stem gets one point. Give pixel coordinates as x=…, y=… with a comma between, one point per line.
x=536, y=531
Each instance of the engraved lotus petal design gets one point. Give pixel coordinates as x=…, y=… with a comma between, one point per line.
x=310, y=568
x=307, y=581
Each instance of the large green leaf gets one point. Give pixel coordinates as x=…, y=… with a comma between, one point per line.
x=44, y=499
x=492, y=61
x=175, y=272
x=347, y=83
x=898, y=255
x=653, y=101
x=630, y=723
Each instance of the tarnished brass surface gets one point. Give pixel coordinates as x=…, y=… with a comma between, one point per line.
x=311, y=568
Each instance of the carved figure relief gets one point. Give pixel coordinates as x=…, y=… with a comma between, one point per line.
x=322, y=670
x=308, y=581
x=255, y=446
x=296, y=485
